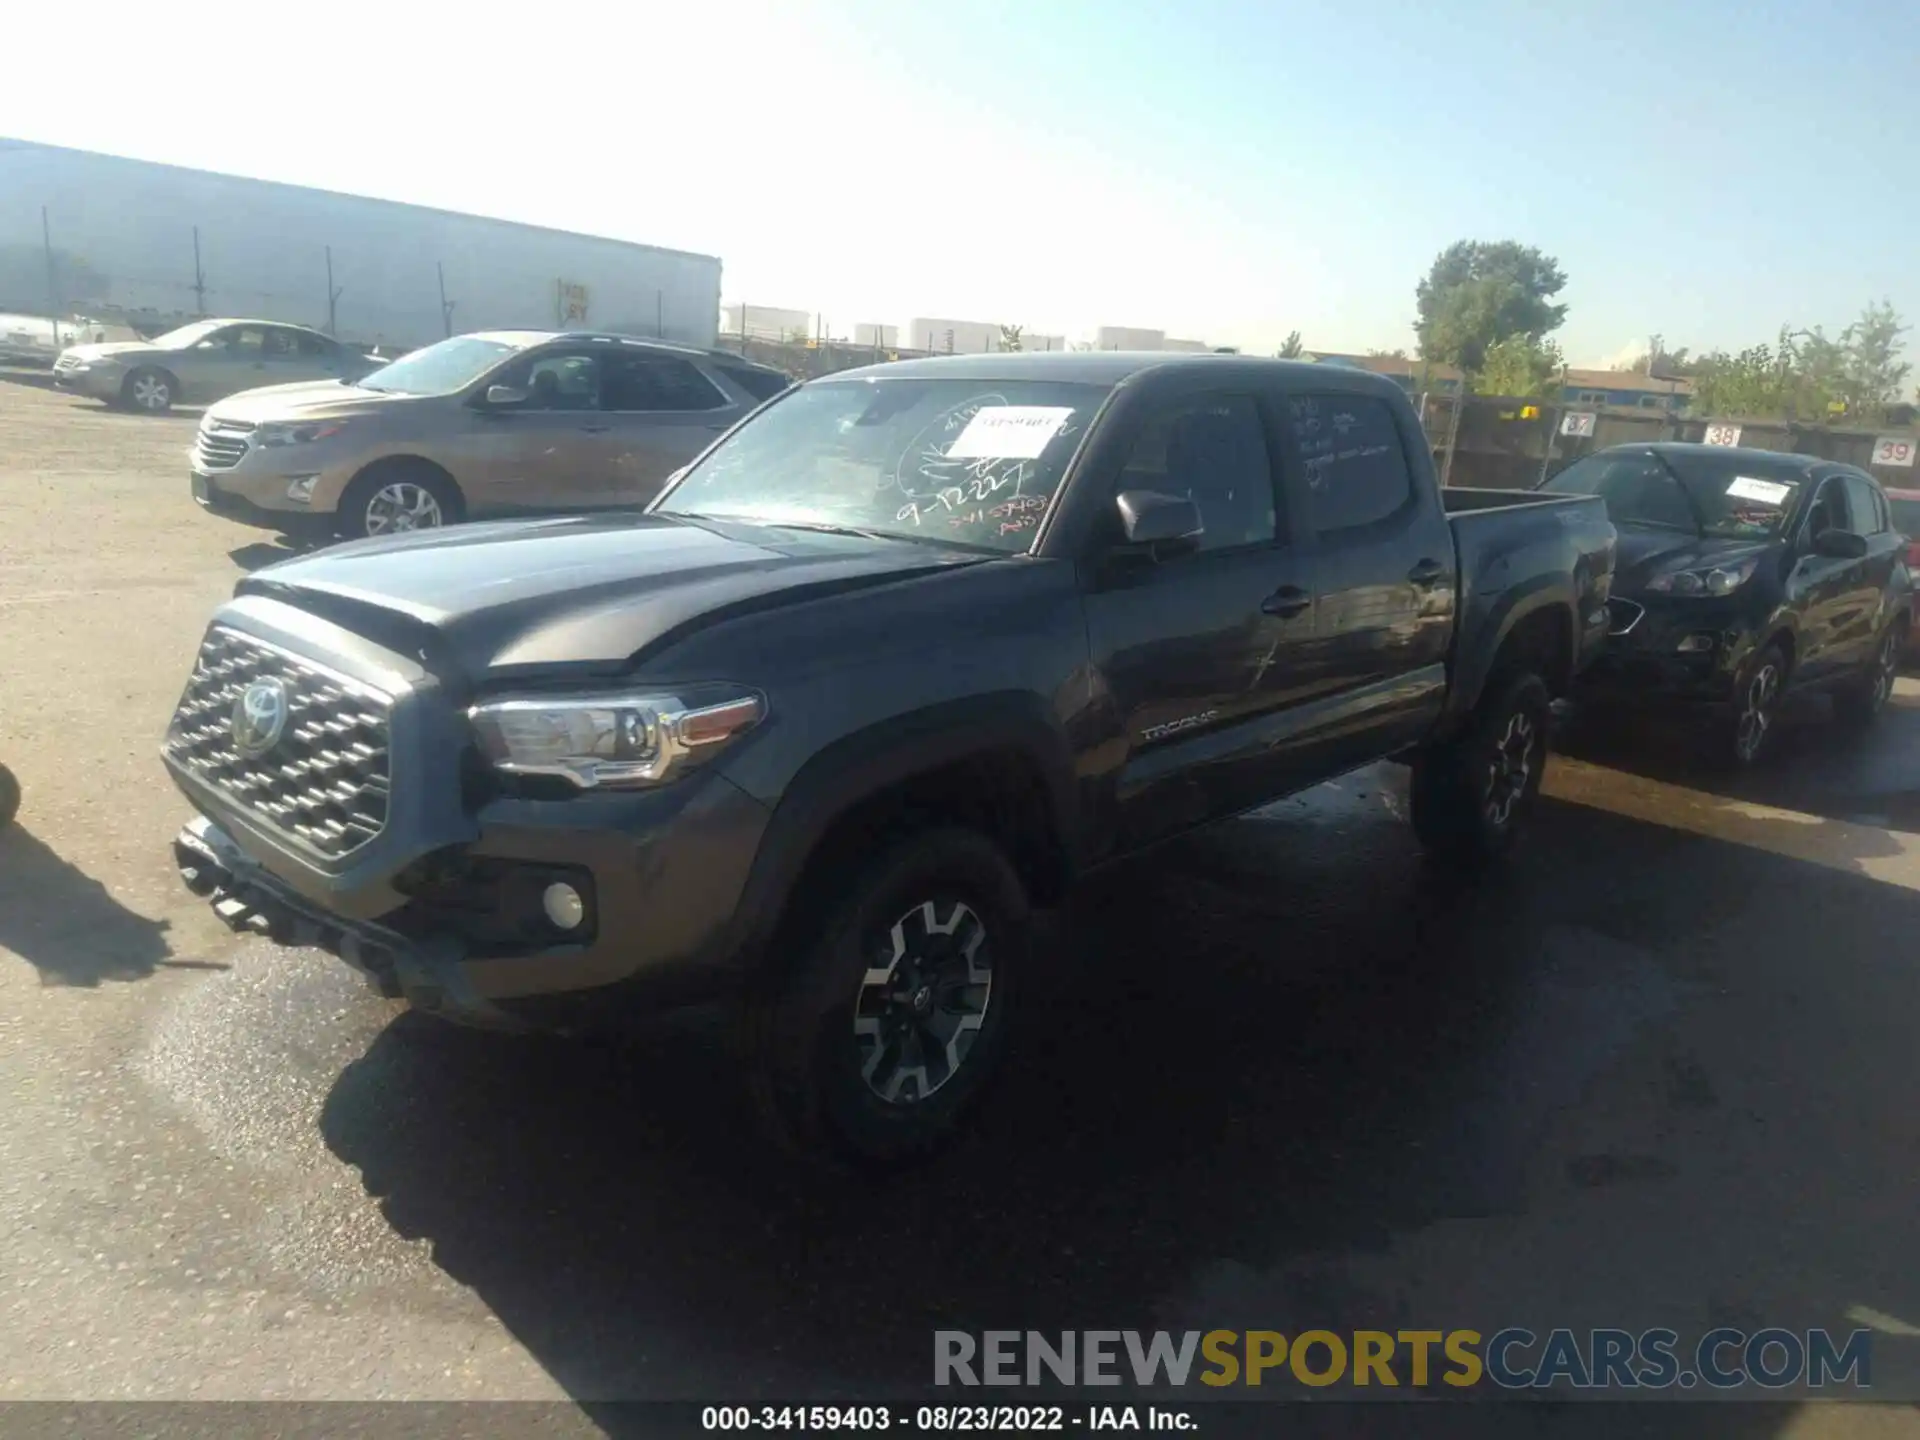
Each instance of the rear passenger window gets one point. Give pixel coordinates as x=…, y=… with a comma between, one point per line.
x=1351, y=460
x=1213, y=450
x=658, y=382
x=760, y=384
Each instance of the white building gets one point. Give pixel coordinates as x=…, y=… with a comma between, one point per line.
x=951, y=337
x=764, y=322
x=1127, y=337
x=880, y=337
x=1031, y=343
x=1186, y=347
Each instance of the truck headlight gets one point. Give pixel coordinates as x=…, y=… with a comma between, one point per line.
x=612, y=741
x=271, y=437
x=1714, y=580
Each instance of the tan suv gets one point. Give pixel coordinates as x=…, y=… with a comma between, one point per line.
x=492, y=423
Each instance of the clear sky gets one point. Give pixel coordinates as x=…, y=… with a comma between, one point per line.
x=1222, y=171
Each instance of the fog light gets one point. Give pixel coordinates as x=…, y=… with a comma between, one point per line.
x=300, y=489
x=564, y=906
x=1694, y=644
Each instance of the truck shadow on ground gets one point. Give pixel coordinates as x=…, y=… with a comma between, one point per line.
x=62, y=921
x=1287, y=1037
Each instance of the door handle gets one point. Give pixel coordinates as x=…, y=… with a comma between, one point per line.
x=1287, y=601
x=1427, y=572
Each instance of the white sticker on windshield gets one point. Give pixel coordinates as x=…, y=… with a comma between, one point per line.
x=1766, y=492
x=1009, y=432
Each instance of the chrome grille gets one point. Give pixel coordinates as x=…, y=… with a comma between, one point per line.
x=221, y=443
x=325, y=784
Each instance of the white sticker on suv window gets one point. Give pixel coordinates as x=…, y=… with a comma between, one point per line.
x=1765, y=492
x=1009, y=432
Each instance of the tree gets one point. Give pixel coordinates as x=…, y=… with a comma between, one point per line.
x=1479, y=293
x=1520, y=366
x=1386, y=354
x=1871, y=372
x=1809, y=375
x=1010, y=336
x=1292, y=348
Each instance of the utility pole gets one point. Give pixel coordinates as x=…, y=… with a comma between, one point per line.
x=199, y=278
x=53, y=283
x=1453, y=429
x=333, y=295
x=446, y=305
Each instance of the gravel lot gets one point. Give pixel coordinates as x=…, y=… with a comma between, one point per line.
x=1660, y=1072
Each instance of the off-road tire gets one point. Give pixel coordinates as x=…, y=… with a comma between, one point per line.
x=1470, y=795
x=809, y=1069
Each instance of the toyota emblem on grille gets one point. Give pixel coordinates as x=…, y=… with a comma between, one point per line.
x=259, y=716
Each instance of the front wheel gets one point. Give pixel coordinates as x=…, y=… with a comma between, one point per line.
x=1756, y=704
x=893, y=1017
x=151, y=392
x=1470, y=795
x=396, y=497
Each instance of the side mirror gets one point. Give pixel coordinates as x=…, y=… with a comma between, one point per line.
x=505, y=397
x=1840, y=545
x=1166, y=525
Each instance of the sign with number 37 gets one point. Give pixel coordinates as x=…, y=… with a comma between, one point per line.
x=1893, y=450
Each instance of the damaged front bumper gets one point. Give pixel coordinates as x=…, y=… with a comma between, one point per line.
x=428, y=973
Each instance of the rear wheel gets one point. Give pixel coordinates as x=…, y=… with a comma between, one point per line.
x=1471, y=794
x=893, y=1017
x=150, y=391
x=1862, y=699
x=395, y=497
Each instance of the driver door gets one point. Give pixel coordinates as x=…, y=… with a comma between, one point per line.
x=1836, y=596
x=228, y=361
x=1199, y=651
x=546, y=453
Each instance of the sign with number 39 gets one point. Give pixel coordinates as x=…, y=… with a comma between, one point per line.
x=1721, y=435
x=1893, y=450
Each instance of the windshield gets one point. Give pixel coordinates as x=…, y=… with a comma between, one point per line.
x=440, y=369
x=958, y=462
x=1736, y=497
x=1906, y=517
x=186, y=335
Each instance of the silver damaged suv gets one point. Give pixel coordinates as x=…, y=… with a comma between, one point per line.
x=493, y=423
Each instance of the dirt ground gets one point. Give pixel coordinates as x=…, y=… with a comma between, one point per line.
x=1661, y=1071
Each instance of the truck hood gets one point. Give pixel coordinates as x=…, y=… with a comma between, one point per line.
x=304, y=400
x=1645, y=551
x=595, y=594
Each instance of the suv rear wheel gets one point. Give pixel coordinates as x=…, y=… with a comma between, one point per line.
x=891, y=1021
x=1865, y=697
x=397, y=496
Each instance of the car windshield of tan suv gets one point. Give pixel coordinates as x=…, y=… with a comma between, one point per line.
x=973, y=463
x=439, y=369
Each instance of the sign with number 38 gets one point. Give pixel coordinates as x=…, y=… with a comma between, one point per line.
x=1893, y=450
x=1722, y=435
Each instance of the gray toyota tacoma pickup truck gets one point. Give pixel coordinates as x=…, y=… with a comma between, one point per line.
x=885, y=669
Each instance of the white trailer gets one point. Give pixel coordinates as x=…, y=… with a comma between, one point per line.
x=125, y=238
